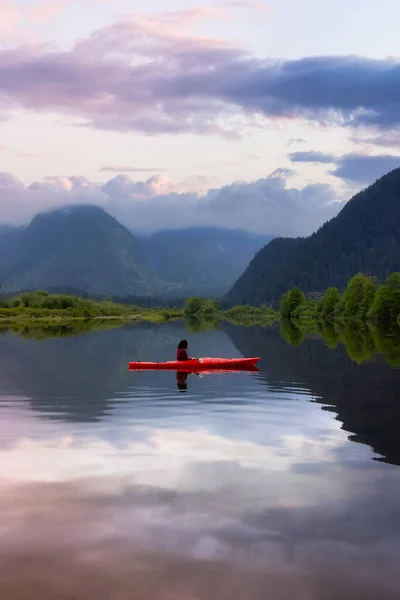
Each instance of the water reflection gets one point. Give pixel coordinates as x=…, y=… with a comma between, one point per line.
x=39, y=331
x=362, y=341
x=183, y=514
x=364, y=396
x=115, y=486
x=181, y=380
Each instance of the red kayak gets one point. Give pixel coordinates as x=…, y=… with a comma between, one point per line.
x=197, y=364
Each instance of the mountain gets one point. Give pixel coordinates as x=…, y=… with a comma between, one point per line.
x=263, y=272
x=9, y=237
x=204, y=260
x=84, y=249
x=79, y=247
x=363, y=237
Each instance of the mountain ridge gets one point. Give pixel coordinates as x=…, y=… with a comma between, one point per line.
x=363, y=237
x=79, y=247
x=82, y=247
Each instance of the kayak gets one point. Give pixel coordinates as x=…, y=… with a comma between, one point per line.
x=197, y=364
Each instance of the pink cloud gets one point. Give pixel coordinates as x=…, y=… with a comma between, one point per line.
x=189, y=17
x=45, y=10
x=98, y=79
x=145, y=75
x=10, y=16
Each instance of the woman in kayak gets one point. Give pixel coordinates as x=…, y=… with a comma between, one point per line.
x=181, y=352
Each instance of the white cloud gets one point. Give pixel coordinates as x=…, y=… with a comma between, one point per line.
x=68, y=458
x=267, y=205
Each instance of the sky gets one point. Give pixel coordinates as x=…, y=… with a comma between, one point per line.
x=244, y=113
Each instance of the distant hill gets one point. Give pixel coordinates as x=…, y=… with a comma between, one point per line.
x=204, y=260
x=364, y=236
x=79, y=247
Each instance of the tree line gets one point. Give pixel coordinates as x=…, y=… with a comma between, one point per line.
x=363, y=300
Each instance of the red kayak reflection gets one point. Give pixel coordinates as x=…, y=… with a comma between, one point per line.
x=181, y=376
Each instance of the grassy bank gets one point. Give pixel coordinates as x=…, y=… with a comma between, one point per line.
x=44, y=308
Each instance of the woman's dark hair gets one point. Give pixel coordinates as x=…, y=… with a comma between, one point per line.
x=182, y=345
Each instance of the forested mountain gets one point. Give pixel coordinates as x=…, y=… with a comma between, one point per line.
x=83, y=250
x=204, y=260
x=363, y=237
x=263, y=271
x=80, y=247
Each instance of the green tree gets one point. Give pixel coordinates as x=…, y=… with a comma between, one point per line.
x=201, y=307
x=386, y=306
x=212, y=306
x=329, y=303
x=290, y=301
x=194, y=305
x=358, y=297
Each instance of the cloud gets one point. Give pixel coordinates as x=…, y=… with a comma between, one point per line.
x=145, y=75
x=45, y=10
x=10, y=15
x=29, y=155
x=188, y=17
x=314, y=157
x=267, y=205
x=132, y=169
x=390, y=139
x=250, y=156
x=251, y=5
x=354, y=167
x=298, y=140
x=9, y=181
x=363, y=169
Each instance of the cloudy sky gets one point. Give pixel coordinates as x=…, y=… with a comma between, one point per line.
x=253, y=114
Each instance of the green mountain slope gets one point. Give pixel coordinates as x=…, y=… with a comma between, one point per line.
x=80, y=247
x=364, y=236
x=263, y=272
x=204, y=260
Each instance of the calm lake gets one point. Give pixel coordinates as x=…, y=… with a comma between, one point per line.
x=116, y=485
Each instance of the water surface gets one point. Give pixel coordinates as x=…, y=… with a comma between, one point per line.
x=120, y=485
